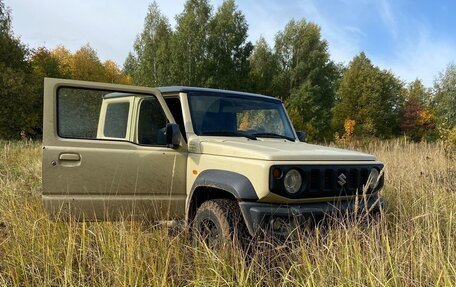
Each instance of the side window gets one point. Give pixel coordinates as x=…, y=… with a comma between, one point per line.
x=151, y=123
x=174, y=106
x=78, y=112
x=116, y=120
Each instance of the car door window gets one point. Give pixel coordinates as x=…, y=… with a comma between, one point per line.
x=78, y=112
x=151, y=123
x=93, y=114
x=175, y=108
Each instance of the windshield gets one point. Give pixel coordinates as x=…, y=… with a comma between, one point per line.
x=231, y=115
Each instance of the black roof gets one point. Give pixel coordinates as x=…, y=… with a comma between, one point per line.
x=184, y=89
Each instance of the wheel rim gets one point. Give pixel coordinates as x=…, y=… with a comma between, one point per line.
x=209, y=232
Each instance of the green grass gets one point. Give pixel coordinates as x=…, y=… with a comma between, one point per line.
x=413, y=245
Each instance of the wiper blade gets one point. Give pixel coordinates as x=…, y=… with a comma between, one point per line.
x=229, y=134
x=273, y=135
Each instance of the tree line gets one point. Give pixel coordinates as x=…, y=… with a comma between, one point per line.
x=22, y=71
x=210, y=48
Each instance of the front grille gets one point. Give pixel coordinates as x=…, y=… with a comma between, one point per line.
x=323, y=180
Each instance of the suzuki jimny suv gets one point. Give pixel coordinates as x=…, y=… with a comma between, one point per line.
x=221, y=160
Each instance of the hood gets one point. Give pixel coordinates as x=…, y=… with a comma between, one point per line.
x=275, y=150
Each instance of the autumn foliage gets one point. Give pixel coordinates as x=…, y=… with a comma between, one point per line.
x=210, y=47
x=418, y=121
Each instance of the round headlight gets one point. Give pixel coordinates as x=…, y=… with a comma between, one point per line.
x=373, y=177
x=292, y=181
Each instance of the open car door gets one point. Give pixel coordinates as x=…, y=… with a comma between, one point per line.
x=105, y=154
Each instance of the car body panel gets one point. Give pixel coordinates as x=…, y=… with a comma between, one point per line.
x=277, y=150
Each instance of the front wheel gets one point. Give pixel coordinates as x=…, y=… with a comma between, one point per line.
x=219, y=222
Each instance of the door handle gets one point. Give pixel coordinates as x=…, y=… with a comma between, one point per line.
x=70, y=157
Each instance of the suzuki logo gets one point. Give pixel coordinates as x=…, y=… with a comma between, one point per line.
x=342, y=179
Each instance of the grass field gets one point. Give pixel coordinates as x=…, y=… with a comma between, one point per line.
x=413, y=245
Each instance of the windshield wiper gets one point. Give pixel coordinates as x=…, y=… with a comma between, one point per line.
x=273, y=135
x=229, y=134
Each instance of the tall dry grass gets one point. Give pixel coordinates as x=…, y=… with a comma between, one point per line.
x=413, y=245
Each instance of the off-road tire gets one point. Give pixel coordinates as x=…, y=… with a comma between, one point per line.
x=225, y=216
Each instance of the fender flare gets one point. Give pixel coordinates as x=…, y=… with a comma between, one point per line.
x=235, y=183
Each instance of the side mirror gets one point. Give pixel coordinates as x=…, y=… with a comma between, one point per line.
x=172, y=135
x=301, y=136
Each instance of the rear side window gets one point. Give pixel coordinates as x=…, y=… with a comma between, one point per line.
x=116, y=120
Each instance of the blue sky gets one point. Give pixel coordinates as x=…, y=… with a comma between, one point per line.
x=414, y=39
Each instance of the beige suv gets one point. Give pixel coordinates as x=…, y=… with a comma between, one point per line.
x=219, y=159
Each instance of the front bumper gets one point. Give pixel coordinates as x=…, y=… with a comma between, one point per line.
x=258, y=215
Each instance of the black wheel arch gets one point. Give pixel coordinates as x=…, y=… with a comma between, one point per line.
x=214, y=184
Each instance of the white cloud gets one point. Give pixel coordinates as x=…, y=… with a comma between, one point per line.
x=263, y=20
x=419, y=56
x=109, y=27
x=388, y=17
x=344, y=40
x=414, y=52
